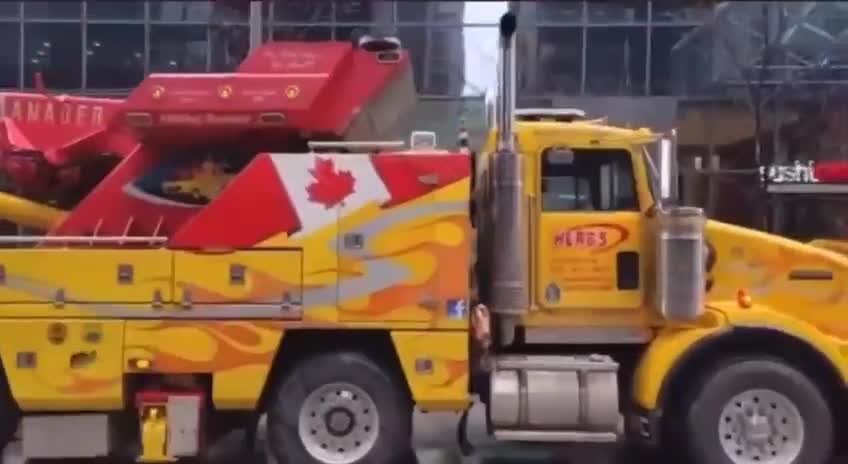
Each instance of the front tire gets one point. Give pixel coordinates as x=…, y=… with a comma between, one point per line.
x=339, y=408
x=757, y=410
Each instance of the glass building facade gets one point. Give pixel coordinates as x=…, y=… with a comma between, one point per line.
x=744, y=82
x=106, y=47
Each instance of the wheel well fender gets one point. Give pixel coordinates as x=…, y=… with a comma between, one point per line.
x=774, y=343
x=299, y=344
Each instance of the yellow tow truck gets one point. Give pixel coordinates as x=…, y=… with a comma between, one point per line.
x=578, y=300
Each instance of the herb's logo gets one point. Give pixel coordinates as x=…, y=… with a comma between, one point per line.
x=594, y=237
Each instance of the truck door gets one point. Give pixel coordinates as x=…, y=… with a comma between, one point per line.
x=590, y=231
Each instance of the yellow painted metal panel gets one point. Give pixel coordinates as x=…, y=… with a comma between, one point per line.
x=212, y=277
x=84, y=275
x=444, y=386
x=80, y=369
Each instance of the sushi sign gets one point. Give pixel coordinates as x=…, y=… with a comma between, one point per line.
x=796, y=173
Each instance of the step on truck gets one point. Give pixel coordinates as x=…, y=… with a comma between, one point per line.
x=220, y=246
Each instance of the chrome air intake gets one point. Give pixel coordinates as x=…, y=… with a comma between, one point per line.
x=681, y=260
x=509, y=247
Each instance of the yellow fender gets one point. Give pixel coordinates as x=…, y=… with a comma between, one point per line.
x=760, y=316
x=671, y=346
x=663, y=354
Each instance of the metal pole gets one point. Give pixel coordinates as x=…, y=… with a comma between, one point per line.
x=255, y=23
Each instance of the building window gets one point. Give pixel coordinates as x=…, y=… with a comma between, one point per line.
x=302, y=33
x=110, y=10
x=350, y=33
x=671, y=11
x=52, y=10
x=353, y=11
x=558, y=61
x=412, y=12
x=617, y=12
x=615, y=60
x=10, y=10
x=302, y=11
x=55, y=50
x=115, y=56
x=558, y=12
x=230, y=45
x=178, y=48
x=588, y=180
x=442, y=12
x=10, y=60
x=438, y=58
x=666, y=78
x=230, y=12
x=177, y=12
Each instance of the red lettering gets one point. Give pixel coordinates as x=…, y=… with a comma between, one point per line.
x=48, y=111
x=590, y=238
x=48, y=114
x=32, y=111
x=587, y=237
x=82, y=114
x=559, y=239
x=17, y=112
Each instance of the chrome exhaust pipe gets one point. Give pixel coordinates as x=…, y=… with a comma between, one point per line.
x=506, y=82
x=509, y=251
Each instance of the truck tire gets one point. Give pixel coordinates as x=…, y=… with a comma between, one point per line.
x=752, y=410
x=339, y=408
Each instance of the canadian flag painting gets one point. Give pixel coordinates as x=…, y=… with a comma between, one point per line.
x=317, y=185
x=300, y=193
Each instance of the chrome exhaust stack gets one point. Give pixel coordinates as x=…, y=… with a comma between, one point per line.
x=510, y=249
x=681, y=250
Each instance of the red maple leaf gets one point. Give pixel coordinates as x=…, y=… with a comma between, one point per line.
x=330, y=187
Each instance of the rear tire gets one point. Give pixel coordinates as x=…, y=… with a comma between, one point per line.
x=339, y=408
x=752, y=410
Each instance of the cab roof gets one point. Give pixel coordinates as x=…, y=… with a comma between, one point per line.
x=593, y=130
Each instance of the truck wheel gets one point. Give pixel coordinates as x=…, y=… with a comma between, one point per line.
x=339, y=408
x=758, y=410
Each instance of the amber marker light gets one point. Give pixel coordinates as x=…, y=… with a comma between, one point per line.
x=141, y=364
x=743, y=298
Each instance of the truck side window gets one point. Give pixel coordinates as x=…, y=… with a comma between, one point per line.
x=590, y=180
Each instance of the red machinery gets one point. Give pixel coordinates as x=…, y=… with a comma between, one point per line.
x=126, y=167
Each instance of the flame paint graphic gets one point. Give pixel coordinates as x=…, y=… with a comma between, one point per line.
x=233, y=344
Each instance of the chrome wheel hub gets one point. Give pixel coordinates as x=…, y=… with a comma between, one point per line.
x=761, y=426
x=338, y=423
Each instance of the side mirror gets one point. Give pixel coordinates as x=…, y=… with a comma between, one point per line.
x=668, y=169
